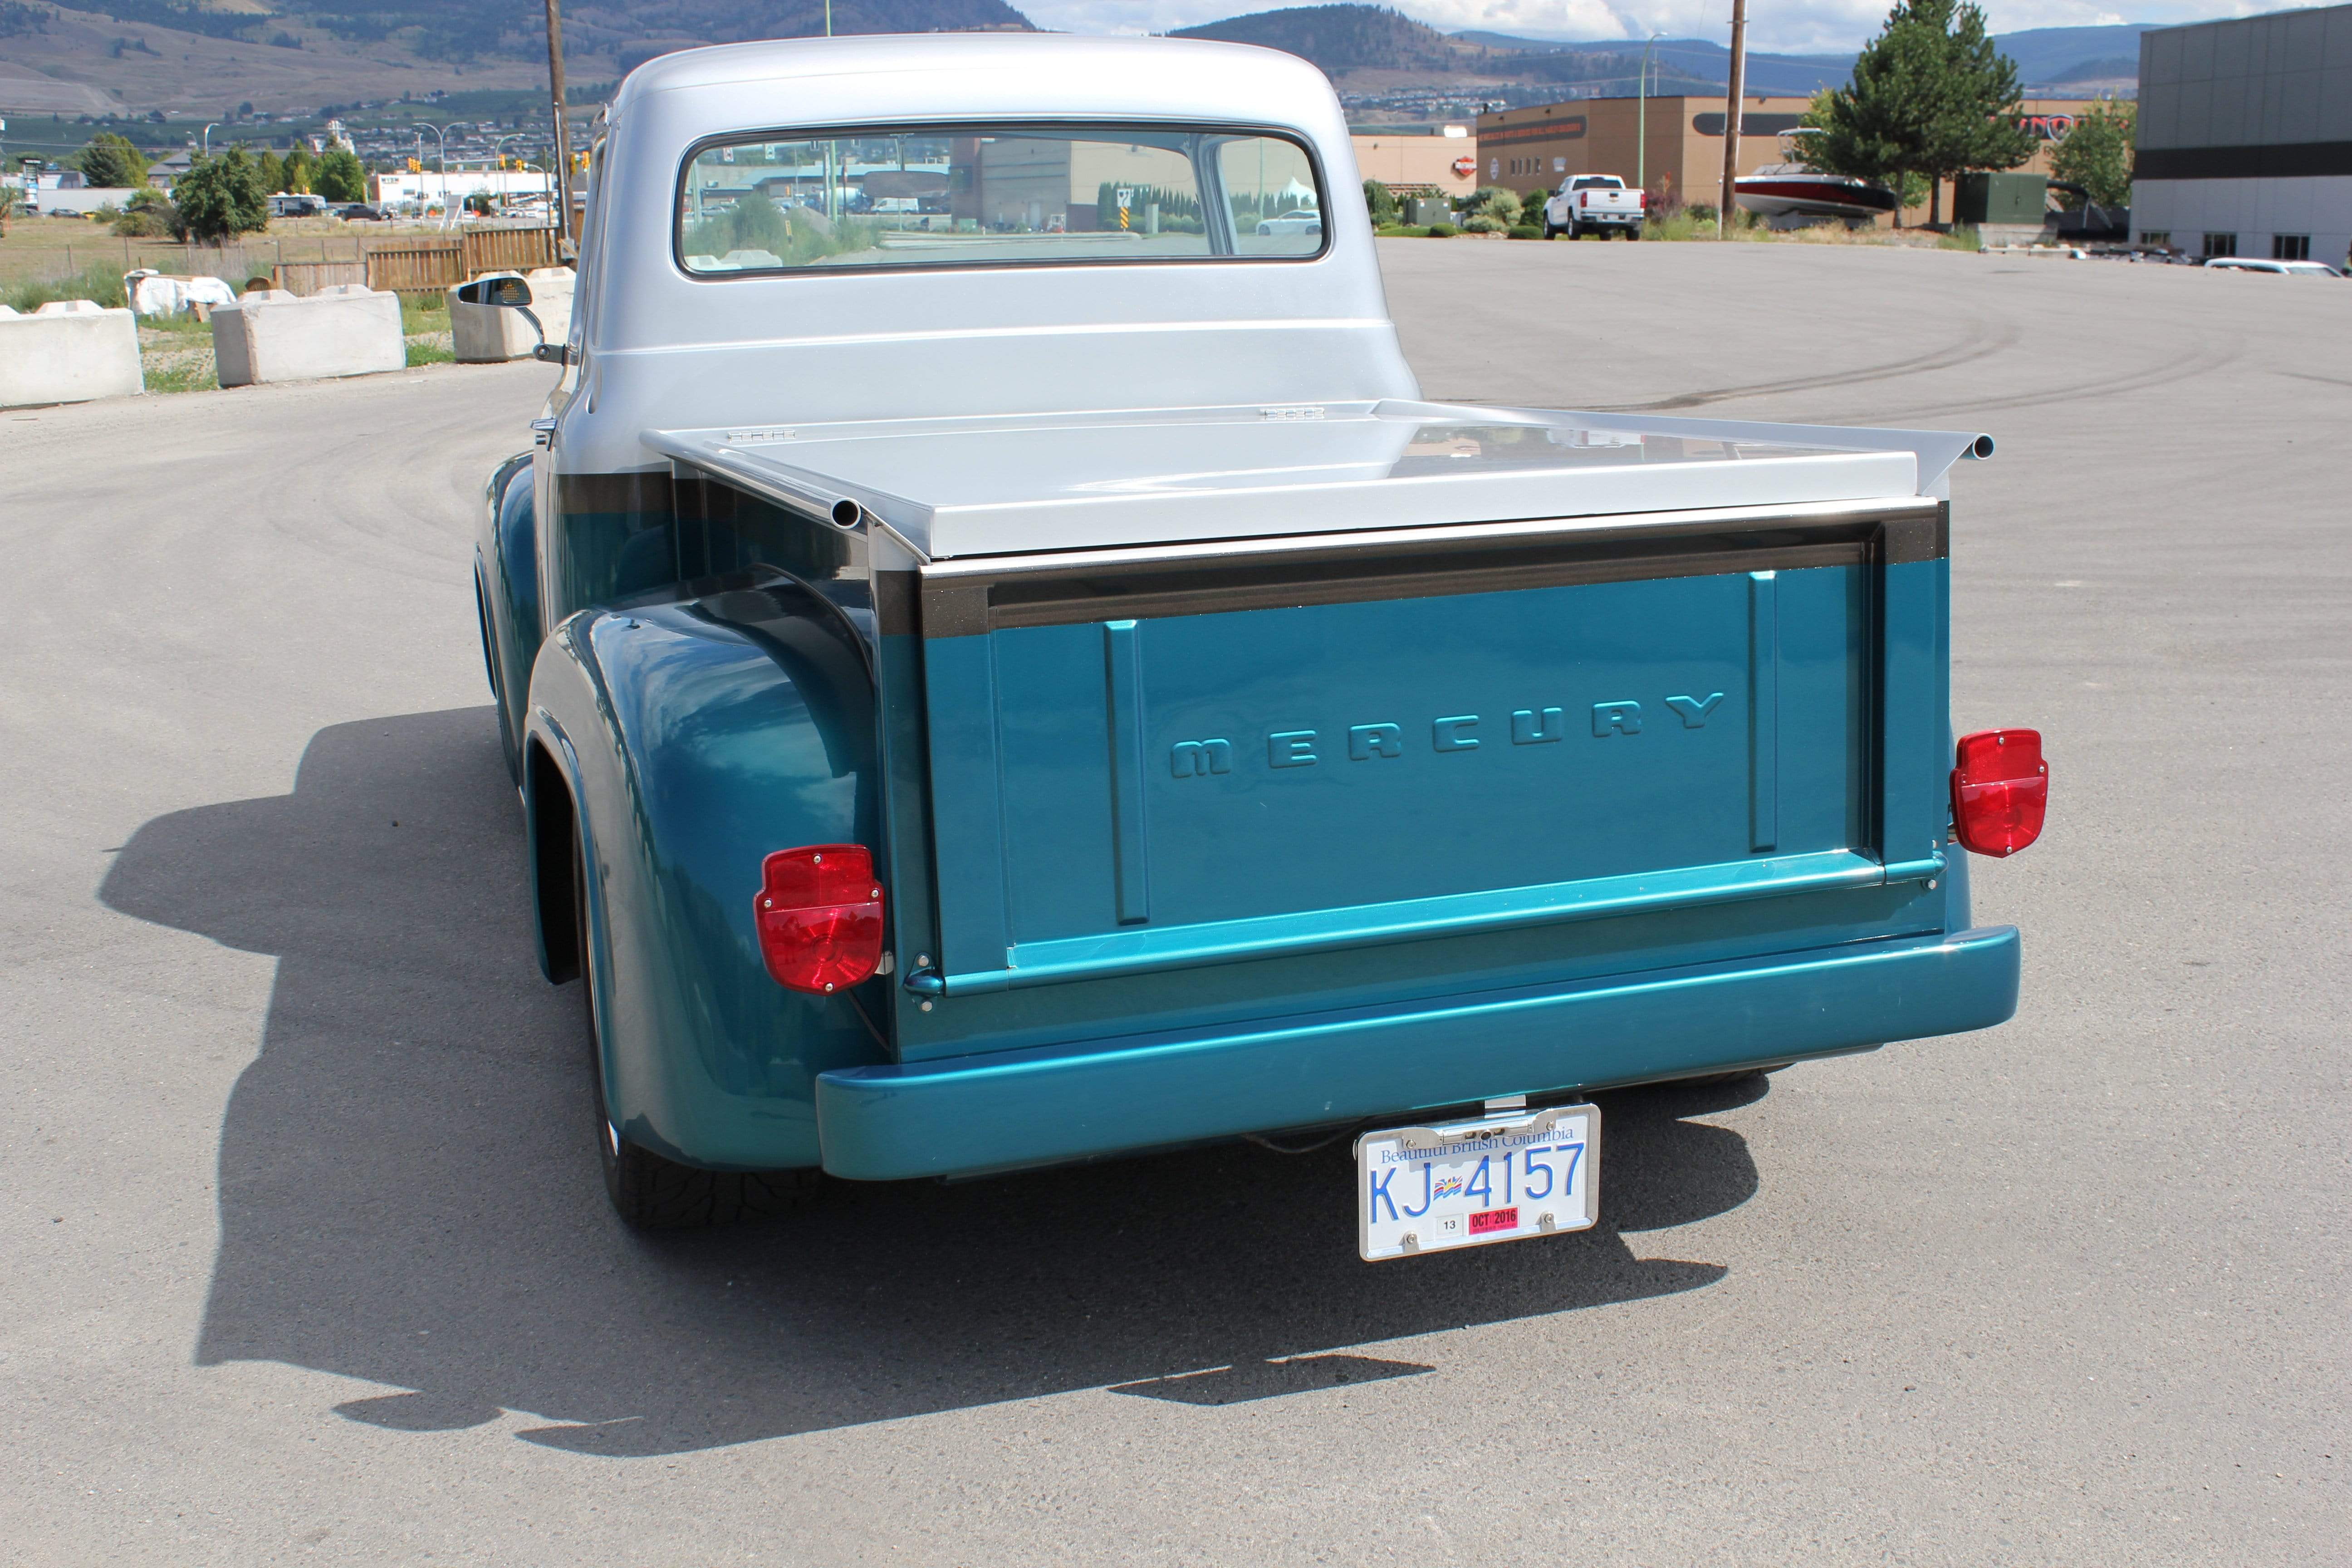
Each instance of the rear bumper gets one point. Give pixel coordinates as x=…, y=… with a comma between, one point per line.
x=972, y=1114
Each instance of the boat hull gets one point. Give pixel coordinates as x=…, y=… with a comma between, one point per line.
x=1811, y=195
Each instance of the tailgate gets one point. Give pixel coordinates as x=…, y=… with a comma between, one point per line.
x=1155, y=759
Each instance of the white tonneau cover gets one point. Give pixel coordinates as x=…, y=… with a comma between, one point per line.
x=1024, y=483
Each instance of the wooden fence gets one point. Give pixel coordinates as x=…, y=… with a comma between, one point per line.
x=307, y=278
x=413, y=263
x=429, y=266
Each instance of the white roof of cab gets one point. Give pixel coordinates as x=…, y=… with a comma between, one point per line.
x=1049, y=75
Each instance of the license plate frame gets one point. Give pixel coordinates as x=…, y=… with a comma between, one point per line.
x=1388, y=1227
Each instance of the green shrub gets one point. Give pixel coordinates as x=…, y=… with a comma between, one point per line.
x=1526, y=231
x=149, y=216
x=1382, y=201
x=1482, y=223
x=1441, y=231
x=1495, y=202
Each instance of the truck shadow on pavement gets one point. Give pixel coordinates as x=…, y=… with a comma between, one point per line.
x=409, y=1192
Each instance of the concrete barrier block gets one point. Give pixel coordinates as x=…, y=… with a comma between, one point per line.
x=69, y=351
x=272, y=335
x=492, y=334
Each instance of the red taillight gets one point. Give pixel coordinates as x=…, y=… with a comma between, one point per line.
x=2000, y=791
x=820, y=916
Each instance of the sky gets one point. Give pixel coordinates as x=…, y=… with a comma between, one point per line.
x=1787, y=27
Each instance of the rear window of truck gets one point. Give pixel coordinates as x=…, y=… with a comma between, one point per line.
x=977, y=196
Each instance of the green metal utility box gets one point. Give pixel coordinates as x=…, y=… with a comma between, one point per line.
x=1982, y=198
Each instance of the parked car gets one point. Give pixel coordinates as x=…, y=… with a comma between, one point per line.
x=2284, y=268
x=360, y=212
x=1071, y=695
x=1296, y=222
x=1595, y=204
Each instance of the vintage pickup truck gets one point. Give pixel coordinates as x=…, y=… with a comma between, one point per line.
x=1003, y=668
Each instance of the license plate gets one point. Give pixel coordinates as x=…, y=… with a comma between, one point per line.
x=1465, y=1184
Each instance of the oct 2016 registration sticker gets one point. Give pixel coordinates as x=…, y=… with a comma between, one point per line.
x=1465, y=1184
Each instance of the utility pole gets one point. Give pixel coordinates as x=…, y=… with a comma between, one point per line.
x=562, y=161
x=1730, y=117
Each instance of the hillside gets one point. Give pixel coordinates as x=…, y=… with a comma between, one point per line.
x=1343, y=37
x=203, y=56
x=2073, y=58
x=1375, y=54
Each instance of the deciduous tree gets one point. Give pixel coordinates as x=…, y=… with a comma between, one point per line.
x=2097, y=153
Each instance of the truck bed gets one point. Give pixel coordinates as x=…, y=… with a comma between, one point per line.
x=955, y=487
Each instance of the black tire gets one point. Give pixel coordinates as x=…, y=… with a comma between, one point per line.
x=1632, y=231
x=1574, y=230
x=1550, y=231
x=648, y=1192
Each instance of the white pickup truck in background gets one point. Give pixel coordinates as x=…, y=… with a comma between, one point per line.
x=1599, y=203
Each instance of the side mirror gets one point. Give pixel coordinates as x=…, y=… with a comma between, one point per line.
x=511, y=292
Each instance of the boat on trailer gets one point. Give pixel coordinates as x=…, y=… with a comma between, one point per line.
x=1791, y=193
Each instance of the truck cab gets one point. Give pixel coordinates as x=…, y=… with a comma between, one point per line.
x=1002, y=667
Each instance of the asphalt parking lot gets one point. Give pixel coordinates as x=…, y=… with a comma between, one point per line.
x=306, y=1257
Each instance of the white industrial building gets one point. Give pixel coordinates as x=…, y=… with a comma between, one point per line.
x=2245, y=137
x=431, y=188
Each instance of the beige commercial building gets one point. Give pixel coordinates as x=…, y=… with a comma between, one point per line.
x=1674, y=145
x=1419, y=159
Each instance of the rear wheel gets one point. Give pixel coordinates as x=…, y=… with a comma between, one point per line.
x=1632, y=231
x=648, y=1191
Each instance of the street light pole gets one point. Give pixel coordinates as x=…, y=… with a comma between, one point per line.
x=1641, y=119
x=1731, y=118
x=208, y=138
x=441, y=139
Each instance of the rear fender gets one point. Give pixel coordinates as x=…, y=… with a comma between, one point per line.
x=505, y=584
x=693, y=737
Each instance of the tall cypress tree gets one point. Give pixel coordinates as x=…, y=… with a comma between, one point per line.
x=1931, y=96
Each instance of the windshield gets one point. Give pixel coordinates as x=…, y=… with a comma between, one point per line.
x=977, y=196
